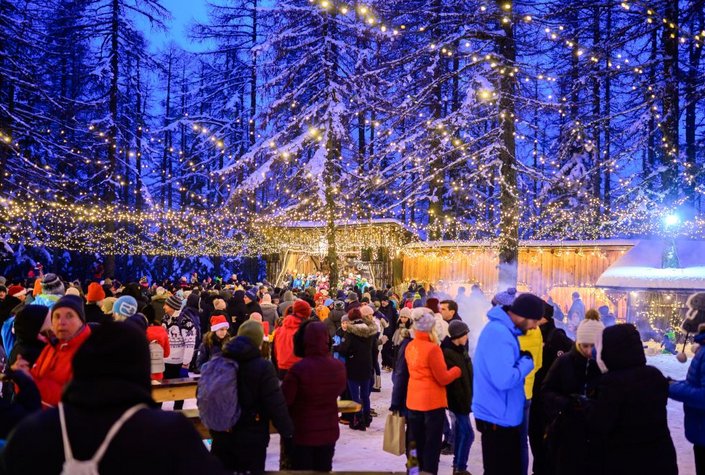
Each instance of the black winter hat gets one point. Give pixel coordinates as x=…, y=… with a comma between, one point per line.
x=114, y=350
x=457, y=329
x=74, y=302
x=622, y=347
x=528, y=306
x=29, y=321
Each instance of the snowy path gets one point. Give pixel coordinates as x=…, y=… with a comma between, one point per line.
x=359, y=451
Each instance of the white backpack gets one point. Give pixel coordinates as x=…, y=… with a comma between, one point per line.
x=90, y=467
x=156, y=354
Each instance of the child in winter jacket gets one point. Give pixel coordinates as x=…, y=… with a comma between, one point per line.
x=459, y=393
x=214, y=340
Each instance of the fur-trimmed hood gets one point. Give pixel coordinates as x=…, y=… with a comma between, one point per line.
x=362, y=328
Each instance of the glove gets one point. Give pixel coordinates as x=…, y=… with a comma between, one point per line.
x=393, y=408
x=525, y=365
x=183, y=372
x=527, y=354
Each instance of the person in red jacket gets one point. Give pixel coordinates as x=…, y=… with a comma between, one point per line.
x=284, y=337
x=53, y=369
x=426, y=395
x=311, y=388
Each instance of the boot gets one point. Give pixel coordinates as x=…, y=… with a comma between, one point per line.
x=368, y=419
x=377, y=387
x=358, y=423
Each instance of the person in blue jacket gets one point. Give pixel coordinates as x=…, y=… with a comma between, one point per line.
x=692, y=393
x=498, y=382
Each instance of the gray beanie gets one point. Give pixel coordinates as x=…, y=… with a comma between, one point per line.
x=52, y=285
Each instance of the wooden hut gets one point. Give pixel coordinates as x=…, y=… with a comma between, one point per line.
x=546, y=268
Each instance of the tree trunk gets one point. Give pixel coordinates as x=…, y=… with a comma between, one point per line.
x=691, y=102
x=110, y=191
x=669, y=158
x=508, y=200
x=436, y=172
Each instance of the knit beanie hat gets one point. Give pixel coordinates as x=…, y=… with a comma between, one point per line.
x=95, y=292
x=339, y=305
x=589, y=331
x=301, y=309
x=28, y=324
x=125, y=306
x=218, y=322
x=426, y=323
x=252, y=295
x=352, y=297
x=16, y=291
x=344, y=318
x=107, y=305
x=457, y=329
x=73, y=302
x=253, y=331
x=174, y=302
x=52, y=285
x=114, y=351
x=506, y=297
x=366, y=311
x=219, y=304
x=73, y=291
x=528, y=306
x=256, y=316
x=328, y=302
x=266, y=298
x=405, y=312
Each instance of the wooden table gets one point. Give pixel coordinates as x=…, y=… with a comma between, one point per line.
x=175, y=389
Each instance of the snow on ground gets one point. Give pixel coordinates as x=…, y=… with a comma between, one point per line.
x=362, y=451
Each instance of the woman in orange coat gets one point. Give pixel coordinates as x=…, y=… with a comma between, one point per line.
x=426, y=395
x=53, y=368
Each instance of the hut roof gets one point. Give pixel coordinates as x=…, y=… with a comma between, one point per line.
x=641, y=267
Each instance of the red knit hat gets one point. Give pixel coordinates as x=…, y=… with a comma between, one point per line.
x=95, y=292
x=218, y=322
x=301, y=309
x=16, y=291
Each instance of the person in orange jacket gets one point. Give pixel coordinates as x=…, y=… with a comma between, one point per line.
x=426, y=395
x=53, y=369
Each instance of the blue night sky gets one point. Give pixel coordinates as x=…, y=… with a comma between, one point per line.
x=184, y=13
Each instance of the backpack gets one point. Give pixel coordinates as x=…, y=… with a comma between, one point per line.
x=216, y=395
x=90, y=467
x=156, y=355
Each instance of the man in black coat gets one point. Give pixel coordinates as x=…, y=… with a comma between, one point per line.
x=391, y=315
x=244, y=447
x=459, y=393
x=555, y=343
x=111, y=375
x=251, y=303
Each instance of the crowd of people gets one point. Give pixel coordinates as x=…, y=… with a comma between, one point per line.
x=81, y=362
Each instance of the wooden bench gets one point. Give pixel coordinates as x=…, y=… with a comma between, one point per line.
x=185, y=388
x=175, y=389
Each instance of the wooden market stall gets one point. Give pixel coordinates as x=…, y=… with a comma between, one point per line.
x=656, y=277
x=547, y=268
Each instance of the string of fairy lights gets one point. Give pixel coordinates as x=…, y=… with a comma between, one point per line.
x=82, y=227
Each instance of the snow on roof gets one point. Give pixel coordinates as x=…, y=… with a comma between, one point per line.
x=531, y=243
x=640, y=268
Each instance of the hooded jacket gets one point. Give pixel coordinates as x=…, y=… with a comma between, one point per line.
x=284, y=342
x=357, y=349
x=53, y=370
x=692, y=393
x=269, y=313
x=499, y=372
x=287, y=300
x=333, y=321
x=311, y=389
x=629, y=414
x=428, y=375
x=91, y=406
